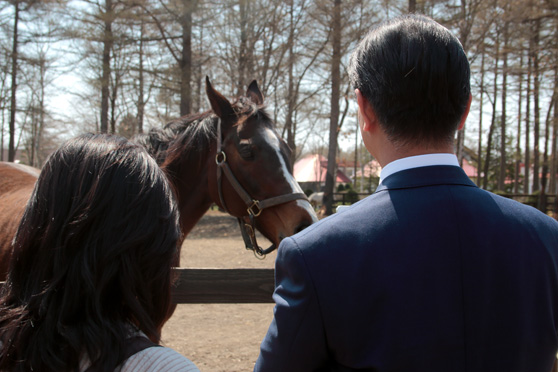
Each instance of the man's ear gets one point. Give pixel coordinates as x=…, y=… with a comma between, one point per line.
x=465, y=114
x=367, y=113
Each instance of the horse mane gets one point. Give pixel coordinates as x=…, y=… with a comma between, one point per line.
x=193, y=133
x=195, y=128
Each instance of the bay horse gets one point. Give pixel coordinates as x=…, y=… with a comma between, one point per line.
x=231, y=156
x=16, y=184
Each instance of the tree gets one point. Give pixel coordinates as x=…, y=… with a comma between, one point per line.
x=25, y=13
x=536, y=25
x=13, y=102
x=493, y=120
x=481, y=115
x=553, y=189
x=519, y=119
x=503, y=136
x=334, y=109
x=107, y=17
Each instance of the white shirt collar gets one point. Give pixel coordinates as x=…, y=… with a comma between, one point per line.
x=417, y=161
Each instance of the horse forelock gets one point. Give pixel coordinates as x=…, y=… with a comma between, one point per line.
x=245, y=109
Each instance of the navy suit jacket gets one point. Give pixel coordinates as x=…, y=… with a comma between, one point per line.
x=430, y=273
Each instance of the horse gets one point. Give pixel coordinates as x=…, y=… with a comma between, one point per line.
x=230, y=156
x=16, y=184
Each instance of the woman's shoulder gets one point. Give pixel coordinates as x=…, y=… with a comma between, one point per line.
x=158, y=358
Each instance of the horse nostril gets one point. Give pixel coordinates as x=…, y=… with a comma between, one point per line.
x=301, y=227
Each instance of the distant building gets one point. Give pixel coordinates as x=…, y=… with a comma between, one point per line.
x=348, y=167
x=370, y=169
x=310, y=172
x=469, y=169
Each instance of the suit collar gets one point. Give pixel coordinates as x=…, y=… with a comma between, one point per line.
x=426, y=176
x=425, y=160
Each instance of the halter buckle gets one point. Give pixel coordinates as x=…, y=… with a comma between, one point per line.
x=254, y=209
x=223, y=158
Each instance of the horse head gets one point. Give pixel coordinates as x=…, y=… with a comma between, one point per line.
x=253, y=179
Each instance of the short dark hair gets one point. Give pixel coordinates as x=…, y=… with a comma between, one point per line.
x=92, y=257
x=415, y=74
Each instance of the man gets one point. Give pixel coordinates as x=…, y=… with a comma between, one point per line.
x=430, y=273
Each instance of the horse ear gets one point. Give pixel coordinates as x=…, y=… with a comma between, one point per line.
x=219, y=104
x=254, y=93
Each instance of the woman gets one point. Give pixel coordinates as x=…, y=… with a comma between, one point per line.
x=89, y=283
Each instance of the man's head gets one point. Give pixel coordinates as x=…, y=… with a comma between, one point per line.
x=415, y=75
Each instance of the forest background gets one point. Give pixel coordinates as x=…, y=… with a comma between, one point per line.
x=125, y=66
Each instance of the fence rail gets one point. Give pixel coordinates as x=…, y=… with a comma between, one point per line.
x=223, y=286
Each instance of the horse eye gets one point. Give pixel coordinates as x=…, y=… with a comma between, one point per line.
x=246, y=151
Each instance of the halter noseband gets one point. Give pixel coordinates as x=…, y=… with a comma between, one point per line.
x=254, y=207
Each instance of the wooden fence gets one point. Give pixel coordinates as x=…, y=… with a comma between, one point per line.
x=223, y=286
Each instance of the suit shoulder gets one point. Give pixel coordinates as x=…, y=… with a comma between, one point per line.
x=352, y=222
x=514, y=217
x=520, y=210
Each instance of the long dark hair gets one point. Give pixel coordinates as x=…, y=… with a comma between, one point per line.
x=92, y=255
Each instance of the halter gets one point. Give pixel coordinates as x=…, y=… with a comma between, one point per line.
x=254, y=207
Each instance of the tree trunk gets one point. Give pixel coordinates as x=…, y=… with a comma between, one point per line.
x=546, y=156
x=34, y=126
x=291, y=97
x=198, y=75
x=2, y=138
x=481, y=114
x=493, y=120
x=464, y=31
x=536, y=96
x=141, y=98
x=519, y=118
x=38, y=118
x=357, y=129
x=544, y=177
x=243, y=50
x=460, y=143
x=334, y=113
x=39, y=140
x=527, y=182
x=105, y=78
x=186, y=60
x=488, y=150
x=554, y=169
x=13, y=106
x=503, y=162
x=112, y=100
x=553, y=163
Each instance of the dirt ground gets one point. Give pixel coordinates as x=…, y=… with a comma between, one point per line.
x=219, y=337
